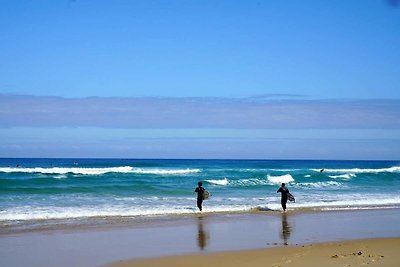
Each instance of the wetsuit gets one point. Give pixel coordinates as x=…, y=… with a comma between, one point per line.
x=284, y=196
x=199, y=190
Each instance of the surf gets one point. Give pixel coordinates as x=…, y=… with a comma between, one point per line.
x=56, y=189
x=97, y=171
x=218, y=182
x=343, y=176
x=395, y=169
x=286, y=178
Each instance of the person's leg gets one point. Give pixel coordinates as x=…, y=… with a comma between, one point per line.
x=199, y=204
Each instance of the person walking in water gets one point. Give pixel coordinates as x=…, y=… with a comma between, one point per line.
x=200, y=191
x=284, y=195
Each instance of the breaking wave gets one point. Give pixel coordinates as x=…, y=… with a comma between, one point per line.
x=218, y=182
x=97, y=171
x=343, y=176
x=395, y=169
x=287, y=178
x=319, y=184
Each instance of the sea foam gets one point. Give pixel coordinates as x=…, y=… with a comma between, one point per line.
x=395, y=169
x=320, y=184
x=180, y=206
x=97, y=171
x=219, y=182
x=250, y=182
x=287, y=178
x=343, y=176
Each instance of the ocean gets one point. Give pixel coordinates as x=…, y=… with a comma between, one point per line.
x=52, y=191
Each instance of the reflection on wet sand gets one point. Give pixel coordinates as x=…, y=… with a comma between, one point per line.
x=286, y=229
x=202, y=235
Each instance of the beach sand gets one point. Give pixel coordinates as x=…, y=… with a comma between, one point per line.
x=368, y=252
x=270, y=238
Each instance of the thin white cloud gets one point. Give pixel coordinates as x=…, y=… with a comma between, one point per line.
x=158, y=112
x=200, y=143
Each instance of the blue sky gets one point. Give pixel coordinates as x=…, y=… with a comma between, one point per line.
x=200, y=79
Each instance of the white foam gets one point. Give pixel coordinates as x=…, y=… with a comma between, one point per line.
x=343, y=176
x=170, y=206
x=307, y=176
x=97, y=171
x=249, y=182
x=165, y=171
x=287, y=178
x=349, y=203
x=284, y=170
x=57, y=213
x=359, y=170
x=320, y=184
x=219, y=182
x=60, y=176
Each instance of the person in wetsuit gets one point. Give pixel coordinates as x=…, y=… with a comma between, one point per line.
x=199, y=190
x=284, y=195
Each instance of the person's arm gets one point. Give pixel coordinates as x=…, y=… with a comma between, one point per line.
x=279, y=190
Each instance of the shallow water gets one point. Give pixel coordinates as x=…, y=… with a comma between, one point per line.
x=53, y=190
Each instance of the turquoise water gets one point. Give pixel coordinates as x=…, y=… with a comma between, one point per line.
x=64, y=189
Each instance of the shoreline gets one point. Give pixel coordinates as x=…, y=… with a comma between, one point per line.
x=101, y=244
x=104, y=222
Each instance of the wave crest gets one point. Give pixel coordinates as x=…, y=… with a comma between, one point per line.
x=359, y=170
x=98, y=171
x=320, y=184
x=343, y=176
x=218, y=182
x=287, y=178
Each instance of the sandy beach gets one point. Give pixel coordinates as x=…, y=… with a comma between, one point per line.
x=371, y=252
x=264, y=237
x=199, y=133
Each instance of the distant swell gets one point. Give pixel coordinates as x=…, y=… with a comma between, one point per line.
x=359, y=170
x=98, y=171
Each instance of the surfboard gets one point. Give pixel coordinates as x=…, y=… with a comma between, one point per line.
x=291, y=197
x=206, y=194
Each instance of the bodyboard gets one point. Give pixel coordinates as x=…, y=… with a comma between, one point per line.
x=291, y=197
x=206, y=194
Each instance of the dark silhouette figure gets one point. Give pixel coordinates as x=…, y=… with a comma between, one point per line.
x=200, y=195
x=285, y=229
x=284, y=195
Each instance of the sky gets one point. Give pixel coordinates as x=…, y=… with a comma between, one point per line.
x=200, y=79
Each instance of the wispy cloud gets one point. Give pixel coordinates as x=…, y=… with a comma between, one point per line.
x=238, y=113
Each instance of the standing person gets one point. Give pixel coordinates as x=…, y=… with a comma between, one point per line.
x=200, y=191
x=284, y=195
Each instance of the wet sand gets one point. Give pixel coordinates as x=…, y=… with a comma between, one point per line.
x=201, y=234
x=370, y=252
